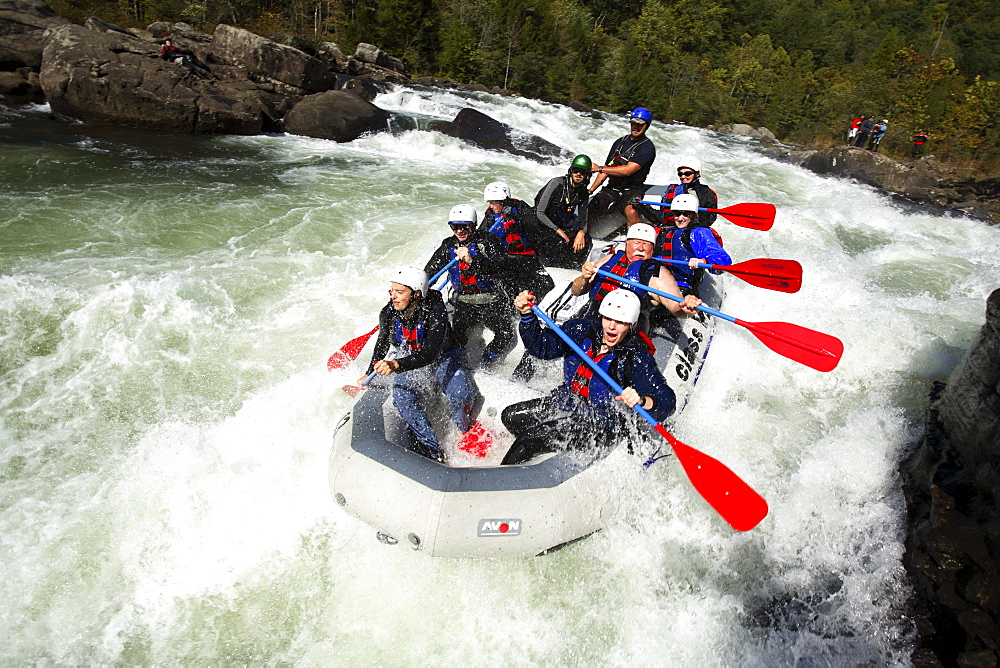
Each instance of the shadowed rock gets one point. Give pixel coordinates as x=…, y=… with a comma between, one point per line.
x=480, y=130
x=952, y=487
x=22, y=23
x=336, y=115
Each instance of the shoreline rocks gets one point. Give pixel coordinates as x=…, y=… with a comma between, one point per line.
x=925, y=181
x=952, y=489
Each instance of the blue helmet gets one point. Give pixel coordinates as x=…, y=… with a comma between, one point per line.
x=641, y=114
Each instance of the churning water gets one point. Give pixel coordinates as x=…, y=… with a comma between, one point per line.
x=167, y=306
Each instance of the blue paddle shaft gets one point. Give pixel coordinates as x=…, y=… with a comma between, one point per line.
x=625, y=281
x=591, y=363
x=441, y=273
x=682, y=262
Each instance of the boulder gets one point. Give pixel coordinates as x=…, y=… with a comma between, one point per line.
x=331, y=54
x=364, y=87
x=952, y=488
x=268, y=60
x=480, y=130
x=336, y=115
x=118, y=79
x=21, y=87
x=761, y=134
x=368, y=53
x=584, y=110
x=22, y=23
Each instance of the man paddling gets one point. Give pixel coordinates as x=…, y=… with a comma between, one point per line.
x=478, y=279
x=625, y=169
x=425, y=357
x=635, y=264
x=584, y=412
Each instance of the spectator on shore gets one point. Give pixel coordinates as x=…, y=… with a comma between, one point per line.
x=918, y=144
x=877, y=132
x=865, y=130
x=852, y=133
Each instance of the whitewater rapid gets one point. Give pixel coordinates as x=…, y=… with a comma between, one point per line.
x=168, y=304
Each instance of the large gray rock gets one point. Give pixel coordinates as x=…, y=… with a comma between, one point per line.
x=267, y=59
x=336, y=115
x=952, y=489
x=480, y=130
x=109, y=77
x=22, y=23
x=761, y=134
x=369, y=53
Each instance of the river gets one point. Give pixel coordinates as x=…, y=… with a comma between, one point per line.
x=168, y=303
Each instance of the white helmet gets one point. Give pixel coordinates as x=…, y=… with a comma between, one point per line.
x=462, y=214
x=621, y=305
x=685, y=202
x=642, y=231
x=413, y=278
x=690, y=163
x=497, y=190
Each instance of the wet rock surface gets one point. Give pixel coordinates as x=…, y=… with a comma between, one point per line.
x=952, y=488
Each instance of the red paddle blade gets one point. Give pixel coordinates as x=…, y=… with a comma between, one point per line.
x=477, y=440
x=806, y=346
x=778, y=275
x=349, y=351
x=352, y=390
x=755, y=215
x=733, y=499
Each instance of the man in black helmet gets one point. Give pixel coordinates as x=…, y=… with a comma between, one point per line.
x=561, y=209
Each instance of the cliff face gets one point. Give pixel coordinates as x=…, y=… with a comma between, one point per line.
x=952, y=487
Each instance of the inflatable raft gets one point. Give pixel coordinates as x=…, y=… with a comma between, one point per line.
x=472, y=506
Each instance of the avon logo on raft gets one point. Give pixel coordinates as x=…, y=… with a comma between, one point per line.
x=488, y=528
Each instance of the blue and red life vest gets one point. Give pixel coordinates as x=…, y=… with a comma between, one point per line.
x=515, y=241
x=579, y=376
x=463, y=278
x=409, y=339
x=620, y=266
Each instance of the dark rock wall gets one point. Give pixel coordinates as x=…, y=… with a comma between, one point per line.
x=952, y=487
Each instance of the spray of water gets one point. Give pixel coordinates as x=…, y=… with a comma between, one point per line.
x=165, y=413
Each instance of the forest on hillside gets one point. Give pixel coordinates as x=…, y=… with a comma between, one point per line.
x=803, y=68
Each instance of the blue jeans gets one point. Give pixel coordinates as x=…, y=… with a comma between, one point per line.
x=448, y=372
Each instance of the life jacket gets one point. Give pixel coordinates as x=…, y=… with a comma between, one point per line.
x=560, y=208
x=617, y=363
x=920, y=140
x=684, y=275
x=625, y=157
x=463, y=278
x=620, y=266
x=672, y=191
x=515, y=241
x=409, y=339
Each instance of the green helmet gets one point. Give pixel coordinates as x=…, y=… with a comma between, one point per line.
x=581, y=162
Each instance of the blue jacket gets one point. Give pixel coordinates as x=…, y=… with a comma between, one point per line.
x=629, y=358
x=703, y=244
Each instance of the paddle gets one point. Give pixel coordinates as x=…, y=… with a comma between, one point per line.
x=350, y=350
x=814, y=349
x=755, y=215
x=732, y=498
x=778, y=275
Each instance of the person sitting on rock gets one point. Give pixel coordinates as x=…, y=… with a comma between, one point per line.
x=584, y=412
x=175, y=54
x=414, y=323
x=635, y=264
